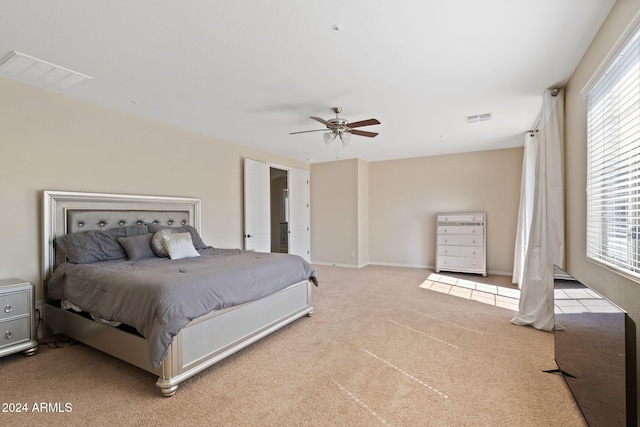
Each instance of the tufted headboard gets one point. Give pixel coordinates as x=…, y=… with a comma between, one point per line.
x=70, y=212
x=81, y=220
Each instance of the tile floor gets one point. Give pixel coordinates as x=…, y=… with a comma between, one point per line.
x=499, y=296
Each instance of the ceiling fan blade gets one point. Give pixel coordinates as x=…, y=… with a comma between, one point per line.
x=305, y=131
x=363, y=133
x=368, y=122
x=323, y=121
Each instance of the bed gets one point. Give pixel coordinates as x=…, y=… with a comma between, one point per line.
x=203, y=335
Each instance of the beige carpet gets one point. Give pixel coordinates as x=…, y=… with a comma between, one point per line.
x=379, y=350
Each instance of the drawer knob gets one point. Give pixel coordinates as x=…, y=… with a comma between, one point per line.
x=8, y=335
x=8, y=308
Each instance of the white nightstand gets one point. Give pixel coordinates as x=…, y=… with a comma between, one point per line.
x=17, y=317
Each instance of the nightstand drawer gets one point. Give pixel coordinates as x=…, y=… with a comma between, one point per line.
x=14, y=331
x=14, y=304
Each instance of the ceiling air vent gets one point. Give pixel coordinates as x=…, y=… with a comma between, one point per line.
x=479, y=117
x=35, y=70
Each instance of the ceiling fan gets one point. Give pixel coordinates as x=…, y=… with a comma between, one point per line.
x=339, y=128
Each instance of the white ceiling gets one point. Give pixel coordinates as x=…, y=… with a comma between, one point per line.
x=251, y=71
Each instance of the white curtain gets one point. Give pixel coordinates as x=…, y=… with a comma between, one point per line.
x=540, y=234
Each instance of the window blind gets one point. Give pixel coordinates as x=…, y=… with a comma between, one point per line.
x=613, y=163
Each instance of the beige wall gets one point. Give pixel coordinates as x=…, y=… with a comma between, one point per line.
x=334, y=212
x=363, y=213
x=624, y=292
x=49, y=141
x=406, y=194
x=384, y=212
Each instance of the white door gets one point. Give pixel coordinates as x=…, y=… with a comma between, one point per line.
x=257, y=212
x=299, y=240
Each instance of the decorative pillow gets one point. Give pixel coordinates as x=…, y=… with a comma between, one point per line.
x=90, y=246
x=157, y=243
x=195, y=237
x=179, y=245
x=137, y=247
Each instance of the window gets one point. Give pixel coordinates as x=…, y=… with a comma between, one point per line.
x=613, y=162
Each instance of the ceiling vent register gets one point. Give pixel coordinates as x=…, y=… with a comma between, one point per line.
x=479, y=117
x=34, y=70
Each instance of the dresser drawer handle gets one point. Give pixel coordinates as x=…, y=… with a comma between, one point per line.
x=8, y=335
x=8, y=308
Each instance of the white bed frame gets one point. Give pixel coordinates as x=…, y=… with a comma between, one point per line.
x=204, y=341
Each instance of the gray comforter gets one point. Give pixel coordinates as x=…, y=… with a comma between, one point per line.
x=159, y=296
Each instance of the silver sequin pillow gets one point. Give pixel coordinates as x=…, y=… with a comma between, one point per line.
x=158, y=243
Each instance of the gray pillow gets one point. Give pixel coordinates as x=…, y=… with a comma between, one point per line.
x=137, y=247
x=195, y=237
x=91, y=246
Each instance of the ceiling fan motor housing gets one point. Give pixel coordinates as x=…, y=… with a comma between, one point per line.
x=339, y=123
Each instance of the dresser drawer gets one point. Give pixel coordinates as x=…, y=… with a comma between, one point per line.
x=461, y=251
x=14, y=304
x=445, y=262
x=465, y=218
x=451, y=240
x=460, y=229
x=14, y=331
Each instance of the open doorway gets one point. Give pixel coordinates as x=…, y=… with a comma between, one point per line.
x=279, y=210
x=276, y=209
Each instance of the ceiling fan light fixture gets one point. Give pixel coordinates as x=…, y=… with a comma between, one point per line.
x=345, y=137
x=329, y=137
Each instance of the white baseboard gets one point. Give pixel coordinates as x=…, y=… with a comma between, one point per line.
x=394, y=264
x=335, y=264
x=501, y=273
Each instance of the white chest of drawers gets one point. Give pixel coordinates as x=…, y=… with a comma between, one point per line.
x=17, y=318
x=461, y=242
